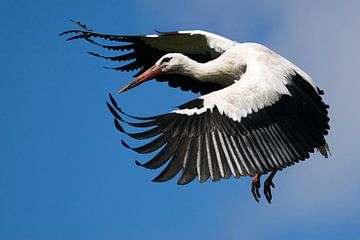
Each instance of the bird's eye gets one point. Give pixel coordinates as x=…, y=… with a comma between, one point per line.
x=166, y=59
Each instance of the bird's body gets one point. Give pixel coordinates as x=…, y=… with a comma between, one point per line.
x=258, y=112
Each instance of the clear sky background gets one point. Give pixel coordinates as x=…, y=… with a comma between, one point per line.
x=65, y=175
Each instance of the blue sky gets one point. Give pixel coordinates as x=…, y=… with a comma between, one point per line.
x=65, y=175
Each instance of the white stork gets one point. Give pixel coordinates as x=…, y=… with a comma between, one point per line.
x=257, y=113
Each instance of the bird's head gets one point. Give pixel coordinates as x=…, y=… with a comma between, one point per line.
x=172, y=63
x=169, y=63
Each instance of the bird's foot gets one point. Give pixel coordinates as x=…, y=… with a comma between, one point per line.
x=267, y=189
x=268, y=184
x=255, y=186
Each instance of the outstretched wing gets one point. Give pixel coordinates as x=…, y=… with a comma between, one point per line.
x=143, y=51
x=204, y=138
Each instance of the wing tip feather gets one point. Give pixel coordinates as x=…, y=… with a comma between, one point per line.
x=139, y=163
x=125, y=144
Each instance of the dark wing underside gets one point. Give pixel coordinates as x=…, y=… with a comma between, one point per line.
x=213, y=145
x=141, y=52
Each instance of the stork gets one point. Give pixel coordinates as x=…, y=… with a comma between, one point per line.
x=258, y=113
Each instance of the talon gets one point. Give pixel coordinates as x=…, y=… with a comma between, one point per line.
x=268, y=184
x=255, y=186
x=267, y=190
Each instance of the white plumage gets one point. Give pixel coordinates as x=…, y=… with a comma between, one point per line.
x=260, y=78
x=258, y=112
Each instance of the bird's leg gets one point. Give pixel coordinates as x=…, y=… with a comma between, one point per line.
x=255, y=186
x=267, y=186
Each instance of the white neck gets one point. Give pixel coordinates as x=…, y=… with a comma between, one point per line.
x=223, y=71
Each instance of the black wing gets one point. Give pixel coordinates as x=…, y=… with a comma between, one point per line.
x=143, y=51
x=213, y=145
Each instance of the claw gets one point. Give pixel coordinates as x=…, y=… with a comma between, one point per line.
x=268, y=184
x=255, y=186
x=267, y=189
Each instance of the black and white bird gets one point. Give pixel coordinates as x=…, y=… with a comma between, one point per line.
x=258, y=113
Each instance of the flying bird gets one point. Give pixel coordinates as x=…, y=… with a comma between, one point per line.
x=257, y=112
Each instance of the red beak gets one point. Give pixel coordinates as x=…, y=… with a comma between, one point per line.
x=145, y=76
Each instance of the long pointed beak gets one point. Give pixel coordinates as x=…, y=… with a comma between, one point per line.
x=145, y=76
